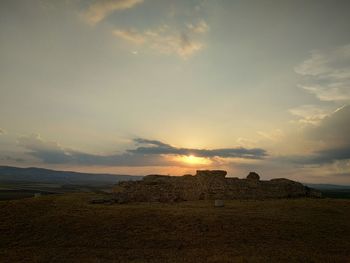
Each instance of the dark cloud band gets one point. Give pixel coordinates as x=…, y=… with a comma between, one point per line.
x=157, y=147
x=152, y=153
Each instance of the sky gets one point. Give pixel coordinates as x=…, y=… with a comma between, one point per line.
x=165, y=86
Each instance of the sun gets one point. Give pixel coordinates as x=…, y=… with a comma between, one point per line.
x=193, y=160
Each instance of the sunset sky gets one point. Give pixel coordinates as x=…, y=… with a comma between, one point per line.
x=171, y=86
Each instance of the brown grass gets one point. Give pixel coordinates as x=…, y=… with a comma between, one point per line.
x=67, y=228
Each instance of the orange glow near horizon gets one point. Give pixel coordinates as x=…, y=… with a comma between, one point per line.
x=193, y=160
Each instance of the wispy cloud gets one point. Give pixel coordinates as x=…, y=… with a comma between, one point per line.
x=100, y=9
x=184, y=42
x=327, y=74
x=274, y=135
x=166, y=40
x=310, y=114
x=329, y=92
x=201, y=27
x=185, y=46
x=131, y=36
x=151, y=153
x=12, y=159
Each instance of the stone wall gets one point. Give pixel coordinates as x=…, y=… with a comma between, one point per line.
x=207, y=185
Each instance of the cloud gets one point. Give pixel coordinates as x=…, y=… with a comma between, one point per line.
x=130, y=35
x=245, y=142
x=331, y=63
x=310, y=114
x=201, y=27
x=274, y=135
x=48, y=152
x=12, y=159
x=186, y=46
x=152, y=153
x=165, y=40
x=156, y=147
x=321, y=157
x=334, y=129
x=332, y=135
x=100, y=9
x=326, y=74
x=2, y=131
x=331, y=155
x=329, y=92
x=150, y=142
x=169, y=43
x=53, y=153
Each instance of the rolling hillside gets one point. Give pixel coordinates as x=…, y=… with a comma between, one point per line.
x=40, y=175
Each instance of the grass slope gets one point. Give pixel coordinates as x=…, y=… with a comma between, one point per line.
x=67, y=228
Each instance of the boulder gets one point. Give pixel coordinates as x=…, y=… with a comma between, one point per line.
x=218, y=173
x=253, y=176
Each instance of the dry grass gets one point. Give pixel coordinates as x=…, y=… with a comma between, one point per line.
x=67, y=228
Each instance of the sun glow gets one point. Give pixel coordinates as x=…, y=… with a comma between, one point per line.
x=193, y=160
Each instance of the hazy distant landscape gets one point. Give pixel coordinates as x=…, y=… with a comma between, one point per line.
x=17, y=183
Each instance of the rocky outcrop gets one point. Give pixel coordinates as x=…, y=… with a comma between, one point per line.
x=253, y=176
x=208, y=185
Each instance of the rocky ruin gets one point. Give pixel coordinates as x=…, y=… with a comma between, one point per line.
x=208, y=185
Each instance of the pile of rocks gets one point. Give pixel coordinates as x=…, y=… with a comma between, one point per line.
x=208, y=185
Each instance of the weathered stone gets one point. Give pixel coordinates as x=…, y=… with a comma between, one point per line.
x=253, y=176
x=207, y=185
x=219, y=203
x=219, y=173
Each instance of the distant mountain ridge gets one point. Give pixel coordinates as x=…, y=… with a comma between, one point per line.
x=42, y=175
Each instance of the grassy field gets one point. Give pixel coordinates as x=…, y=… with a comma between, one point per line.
x=67, y=228
x=20, y=190
x=336, y=193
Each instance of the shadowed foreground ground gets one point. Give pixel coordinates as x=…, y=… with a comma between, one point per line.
x=67, y=228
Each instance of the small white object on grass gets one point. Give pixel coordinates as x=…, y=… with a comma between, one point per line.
x=219, y=203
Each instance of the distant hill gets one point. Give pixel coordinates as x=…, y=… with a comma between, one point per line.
x=332, y=190
x=328, y=186
x=40, y=175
